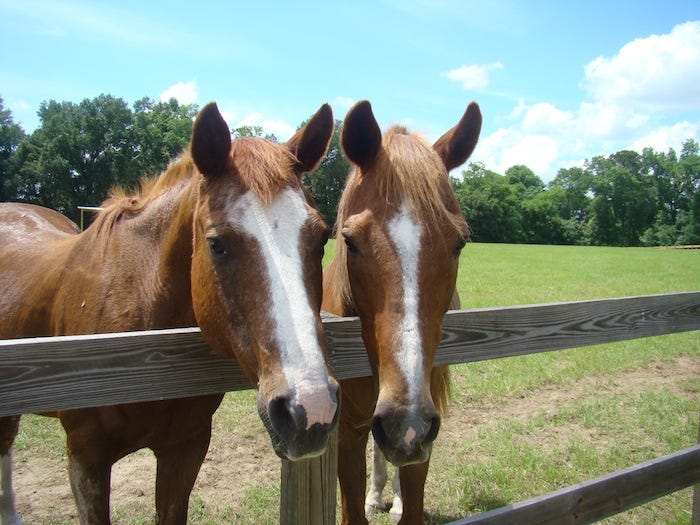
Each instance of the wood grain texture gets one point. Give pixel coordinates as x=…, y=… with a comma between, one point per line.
x=307, y=488
x=45, y=374
x=606, y=496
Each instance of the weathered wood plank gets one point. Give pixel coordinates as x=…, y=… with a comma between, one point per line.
x=45, y=374
x=603, y=497
x=50, y=373
x=503, y=332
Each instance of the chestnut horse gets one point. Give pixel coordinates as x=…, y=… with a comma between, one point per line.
x=226, y=238
x=400, y=233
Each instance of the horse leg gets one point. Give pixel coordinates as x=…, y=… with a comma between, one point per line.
x=378, y=479
x=412, y=490
x=90, y=460
x=352, y=472
x=89, y=481
x=397, y=504
x=177, y=469
x=8, y=431
x=357, y=405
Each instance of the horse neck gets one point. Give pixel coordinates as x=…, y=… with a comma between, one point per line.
x=150, y=253
x=173, y=300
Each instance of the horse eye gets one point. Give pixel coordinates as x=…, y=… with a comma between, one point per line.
x=217, y=248
x=458, y=249
x=352, y=248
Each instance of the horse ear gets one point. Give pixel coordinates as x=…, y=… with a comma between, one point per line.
x=361, y=137
x=455, y=146
x=211, y=141
x=310, y=143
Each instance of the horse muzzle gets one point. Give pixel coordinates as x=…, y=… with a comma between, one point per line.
x=300, y=426
x=404, y=437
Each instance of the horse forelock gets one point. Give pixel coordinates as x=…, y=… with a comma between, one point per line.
x=263, y=167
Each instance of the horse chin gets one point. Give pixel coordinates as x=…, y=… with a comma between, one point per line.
x=401, y=459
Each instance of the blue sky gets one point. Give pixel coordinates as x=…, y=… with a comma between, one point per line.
x=557, y=82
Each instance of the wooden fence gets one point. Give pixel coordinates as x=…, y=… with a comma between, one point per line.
x=45, y=374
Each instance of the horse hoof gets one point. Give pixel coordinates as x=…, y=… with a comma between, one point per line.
x=373, y=505
x=395, y=514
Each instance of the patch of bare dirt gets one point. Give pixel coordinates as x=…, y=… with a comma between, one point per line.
x=236, y=462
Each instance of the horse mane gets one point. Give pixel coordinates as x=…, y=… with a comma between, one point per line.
x=407, y=169
x=120, y=204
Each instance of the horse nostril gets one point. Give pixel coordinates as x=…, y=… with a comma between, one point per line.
x=378, y=433
x=283, y=417
x=434, y=429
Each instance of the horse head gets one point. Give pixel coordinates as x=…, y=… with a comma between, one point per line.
x=256, y=273
x=401, y=233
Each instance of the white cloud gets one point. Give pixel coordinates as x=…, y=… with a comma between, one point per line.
x=344, y=103
x=665, y=137
x=183, y=92
x=543, y=117
x=507, y=147
x=629, y=104
x=473, y=76
x=660, y=71
x=279, y=128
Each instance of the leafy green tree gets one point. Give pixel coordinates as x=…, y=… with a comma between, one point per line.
x=328, y=180
x=689, y=220
x=77, y=154
x=527, y=184
x=490, y=205
x=624, y=200
x=575, y=183
x=161, y=131
x=253, y=131
x=11, y=136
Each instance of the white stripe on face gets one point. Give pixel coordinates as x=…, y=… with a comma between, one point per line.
x=278, y=229
x=405, y=233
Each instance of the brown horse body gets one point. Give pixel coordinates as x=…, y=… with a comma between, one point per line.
x=203, y=244
x=400, y=232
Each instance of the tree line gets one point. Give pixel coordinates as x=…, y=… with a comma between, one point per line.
x=80, y=151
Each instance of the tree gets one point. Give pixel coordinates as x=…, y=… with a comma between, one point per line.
x=253, y=131
x=490, y=205
x=525, y=181
x=328, y=180
x=11, y=136
x=624, y=200
x=161, y=131
x=77, y=154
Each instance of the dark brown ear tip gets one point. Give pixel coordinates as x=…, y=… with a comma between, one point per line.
x=210, y=109
x=473, y=113
x=326, y=110
x=363, y=109
x=211, y=140
x=361, y=136
x=325, y=115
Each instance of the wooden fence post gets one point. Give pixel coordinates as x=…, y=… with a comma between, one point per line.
x=308, y=488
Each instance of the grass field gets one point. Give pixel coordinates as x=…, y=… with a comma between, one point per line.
x=518, y=427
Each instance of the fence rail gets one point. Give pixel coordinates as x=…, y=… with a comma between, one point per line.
x=46, y=374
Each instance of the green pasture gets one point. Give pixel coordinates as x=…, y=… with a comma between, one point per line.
x=519, y=427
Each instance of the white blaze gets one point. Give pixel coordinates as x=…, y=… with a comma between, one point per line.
x=405, y=233
x=278, y=228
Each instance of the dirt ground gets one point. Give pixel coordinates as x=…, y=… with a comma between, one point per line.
x=234, y=464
